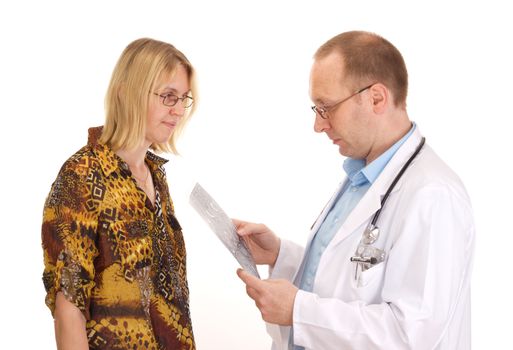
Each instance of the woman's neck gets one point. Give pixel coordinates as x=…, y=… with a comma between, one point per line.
x=134, y=157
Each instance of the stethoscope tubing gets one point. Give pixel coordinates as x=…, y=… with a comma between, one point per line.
x=396, y=179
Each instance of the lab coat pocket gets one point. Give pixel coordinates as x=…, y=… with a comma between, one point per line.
x=370, y=277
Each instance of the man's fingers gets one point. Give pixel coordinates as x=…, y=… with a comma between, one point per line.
x=251, y=292
x=237, y=222
x=250, y=280
x=244, y=228
x=240, y=227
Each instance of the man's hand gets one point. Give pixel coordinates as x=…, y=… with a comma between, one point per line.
x=274, y=298
x=262, y=242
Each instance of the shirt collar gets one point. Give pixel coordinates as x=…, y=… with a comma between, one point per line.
x=359, y=174
x=110, y=161
x=353, y=169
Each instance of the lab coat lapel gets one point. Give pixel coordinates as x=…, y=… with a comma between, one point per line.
x=371, y=201
x=363, y=211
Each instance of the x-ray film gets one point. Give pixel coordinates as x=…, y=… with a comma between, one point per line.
x=223, y=227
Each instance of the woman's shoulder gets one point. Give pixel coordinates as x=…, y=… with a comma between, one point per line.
x=70, y=187
x=82, y=161
x=87, y=156
x=79, y=179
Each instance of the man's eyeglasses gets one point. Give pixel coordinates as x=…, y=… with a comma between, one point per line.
x=171, y=100
x=323, y=111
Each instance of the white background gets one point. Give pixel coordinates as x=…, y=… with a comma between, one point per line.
x=251, y=143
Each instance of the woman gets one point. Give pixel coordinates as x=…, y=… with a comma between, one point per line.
x=114, y=254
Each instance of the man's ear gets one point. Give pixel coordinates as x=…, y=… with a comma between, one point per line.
x=380, y=97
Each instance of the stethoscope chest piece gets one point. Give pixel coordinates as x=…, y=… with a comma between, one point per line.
x=370, y=235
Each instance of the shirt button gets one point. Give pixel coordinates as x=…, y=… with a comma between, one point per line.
x=354, y=189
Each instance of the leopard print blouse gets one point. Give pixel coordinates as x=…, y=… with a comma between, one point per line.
x=116, y=256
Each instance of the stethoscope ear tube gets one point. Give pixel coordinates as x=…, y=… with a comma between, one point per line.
x=396, y=180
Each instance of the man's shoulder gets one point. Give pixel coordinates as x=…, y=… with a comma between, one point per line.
x=429, y=171
x=433, y=166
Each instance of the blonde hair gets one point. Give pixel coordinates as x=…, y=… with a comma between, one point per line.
x=140, y=66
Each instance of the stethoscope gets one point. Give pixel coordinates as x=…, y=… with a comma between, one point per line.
x=366, y=255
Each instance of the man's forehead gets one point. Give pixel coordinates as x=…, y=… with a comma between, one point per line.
x=326, y=78
x=327, y=69
x=332, y=61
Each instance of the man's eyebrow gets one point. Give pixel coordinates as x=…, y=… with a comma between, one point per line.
x=319, y=102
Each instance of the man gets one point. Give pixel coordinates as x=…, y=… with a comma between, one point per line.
x=404, y=287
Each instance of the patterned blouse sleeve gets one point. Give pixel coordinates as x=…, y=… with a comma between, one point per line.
x=68, y=238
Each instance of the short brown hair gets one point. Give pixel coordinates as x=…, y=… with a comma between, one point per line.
x=369, y=58
x=137, y=71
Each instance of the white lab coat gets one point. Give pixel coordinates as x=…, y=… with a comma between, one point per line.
x=419, y=297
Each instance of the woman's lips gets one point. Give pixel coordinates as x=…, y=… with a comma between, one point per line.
x=170, y=125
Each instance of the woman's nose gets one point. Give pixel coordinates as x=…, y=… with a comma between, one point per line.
x=177, y=110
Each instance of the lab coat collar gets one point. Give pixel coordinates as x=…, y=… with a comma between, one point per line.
x=371, y=201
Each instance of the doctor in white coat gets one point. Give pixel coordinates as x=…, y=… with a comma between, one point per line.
x=408, y=288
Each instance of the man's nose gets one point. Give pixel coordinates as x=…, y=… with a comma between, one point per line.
x=320, y=124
